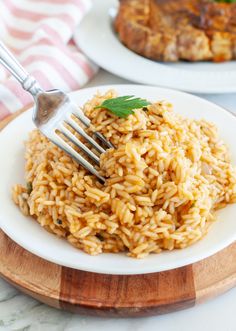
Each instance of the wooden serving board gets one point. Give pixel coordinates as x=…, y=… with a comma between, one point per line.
x=112, y=295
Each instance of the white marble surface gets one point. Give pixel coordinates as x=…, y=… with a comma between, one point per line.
x=22, y=313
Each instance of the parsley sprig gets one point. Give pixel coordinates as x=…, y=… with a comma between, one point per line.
x=124, y=106
x=227, y=1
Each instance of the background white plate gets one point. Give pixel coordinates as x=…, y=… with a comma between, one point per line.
x=28, y=233
x=96, y=38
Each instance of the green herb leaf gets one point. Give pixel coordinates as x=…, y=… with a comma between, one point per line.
x=124, y=106
x=29, y=187
x=226, y=1
x=100, y=237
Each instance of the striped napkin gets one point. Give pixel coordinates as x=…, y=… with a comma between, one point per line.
x=39, y=33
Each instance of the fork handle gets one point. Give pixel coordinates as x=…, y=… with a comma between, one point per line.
x=8, y=60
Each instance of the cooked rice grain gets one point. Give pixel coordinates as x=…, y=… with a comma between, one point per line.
x=166, y=177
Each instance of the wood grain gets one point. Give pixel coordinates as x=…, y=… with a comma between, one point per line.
x=109, y=295
x=136, y=295
x=29, y=273
x=215, y=275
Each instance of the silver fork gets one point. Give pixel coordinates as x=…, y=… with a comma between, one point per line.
x=53, y=112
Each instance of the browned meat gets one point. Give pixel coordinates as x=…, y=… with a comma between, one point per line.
x=171, y=30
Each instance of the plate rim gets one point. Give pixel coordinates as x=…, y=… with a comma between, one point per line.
x=83, y=42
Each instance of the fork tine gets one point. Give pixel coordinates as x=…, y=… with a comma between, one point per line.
x=89, y=139
x=101, y=137
x=78, y=113
x=57, y=140
x=79, y=144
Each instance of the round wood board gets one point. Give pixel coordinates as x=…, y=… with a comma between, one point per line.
x=113, y=295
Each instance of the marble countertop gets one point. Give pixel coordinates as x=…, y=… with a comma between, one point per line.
x=19, y=312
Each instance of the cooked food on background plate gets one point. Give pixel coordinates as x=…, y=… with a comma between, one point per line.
x=170, y=30
x=165, y=178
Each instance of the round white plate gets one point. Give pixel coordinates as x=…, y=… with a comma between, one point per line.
x=96, y=38
x=29, y=234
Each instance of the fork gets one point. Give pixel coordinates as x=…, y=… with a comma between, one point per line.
x=53, y=113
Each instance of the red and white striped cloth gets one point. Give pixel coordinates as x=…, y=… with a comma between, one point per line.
x=39, y=33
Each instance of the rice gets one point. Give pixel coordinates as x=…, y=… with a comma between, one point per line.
x=165, y=179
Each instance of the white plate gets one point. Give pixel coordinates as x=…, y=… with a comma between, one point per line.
x=96, y=38
x=29, y=234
